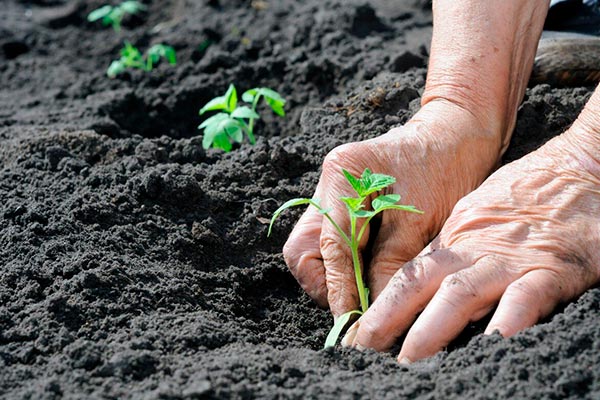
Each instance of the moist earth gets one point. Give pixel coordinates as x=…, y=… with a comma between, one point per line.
x=135, y=264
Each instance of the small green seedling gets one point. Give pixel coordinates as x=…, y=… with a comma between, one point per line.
x=131, y=57
x=234, y=120
x=368, y=184
x=113, y=15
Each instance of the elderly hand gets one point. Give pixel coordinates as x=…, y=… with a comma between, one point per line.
x=523, y=242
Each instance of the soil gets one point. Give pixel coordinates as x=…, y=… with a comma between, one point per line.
x=134, y=264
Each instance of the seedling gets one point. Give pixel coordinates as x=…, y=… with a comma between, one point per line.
x=234, y=120
x=113, y=15
x=365, y=186
x=131, y=57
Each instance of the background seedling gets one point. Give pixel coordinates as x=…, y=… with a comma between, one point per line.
x=234, y=120
x=131, y=57
x=113, y=15
x=368, y=184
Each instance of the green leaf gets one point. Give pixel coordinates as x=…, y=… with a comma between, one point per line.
x=231, y=96
x=218, y=103
x=161, y=50
x=170, y=55
x=288, y=204
x=115, y=68
x=236, y=133
x=338, y=327
x=222, y=142
x=233, y=130
x=248, y=95
x=354, y=182
x=401, y=207
x=215, y=119
x=375, y=182
x=244, y=112
x=152, y=60
x=385, y=200
x=130, y=51
x=273, y=99
x=353, y=203
x=364, y=213
x=210, y=133
x=132, y=6
x=210, y=136
x=99, y=13
x=276, y=106
x=156, y=50
x=207, y=140
x=222, y=126
x=368, y=183
x=270, y=94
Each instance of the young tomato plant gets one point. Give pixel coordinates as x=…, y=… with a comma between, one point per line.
x=113, y=15
x=131, y=57
x=364, y=187
x=234, y=120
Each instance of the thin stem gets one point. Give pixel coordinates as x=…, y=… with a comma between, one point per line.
x=335, y=225
x=251, y=122
x=246, y=129
x=362, y=293
x=363, y=229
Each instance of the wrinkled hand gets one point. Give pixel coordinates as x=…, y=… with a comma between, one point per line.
x=439, y=156
x=524, y=241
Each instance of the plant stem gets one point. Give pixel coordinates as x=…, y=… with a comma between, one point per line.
x=251, y=122
x=362, y=292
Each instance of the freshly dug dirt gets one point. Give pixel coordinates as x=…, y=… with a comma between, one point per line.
x=134, y=264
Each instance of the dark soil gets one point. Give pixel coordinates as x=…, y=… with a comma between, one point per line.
x=134, y=264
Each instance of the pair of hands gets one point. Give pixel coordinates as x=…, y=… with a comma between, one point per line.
x=521, y=242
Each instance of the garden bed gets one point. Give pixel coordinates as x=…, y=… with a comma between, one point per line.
x=135, y=264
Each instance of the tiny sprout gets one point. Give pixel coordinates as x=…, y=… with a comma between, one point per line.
x=233, y=120
x=364, y=187
x=113, y=15
x=131, y=57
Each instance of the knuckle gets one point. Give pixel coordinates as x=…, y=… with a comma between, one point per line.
x=412, y=275
x=331, y=245
x=342, y=295
x=458, y=288
x=371, y=332
x=341, y=156
x=520, y=289
x=290, y=255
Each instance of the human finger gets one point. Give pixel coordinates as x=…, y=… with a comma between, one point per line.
x=526, y=301
x=302, y=255
x=464, y=296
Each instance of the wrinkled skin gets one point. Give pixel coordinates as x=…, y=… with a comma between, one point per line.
x=432, y=164
x=524, y=241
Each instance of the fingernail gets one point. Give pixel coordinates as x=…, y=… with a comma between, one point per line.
x=359, y=347
x=405, y=361
x=350, y=335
